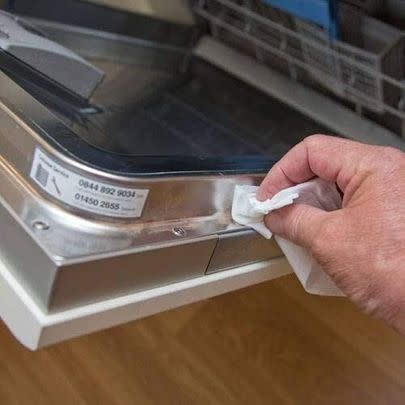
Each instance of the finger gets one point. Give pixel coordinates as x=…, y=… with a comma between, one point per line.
x=327, y=157
x=297, y=223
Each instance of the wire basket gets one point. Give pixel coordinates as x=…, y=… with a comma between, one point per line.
x=237, y=29
x=370, y=43
x=365, y=66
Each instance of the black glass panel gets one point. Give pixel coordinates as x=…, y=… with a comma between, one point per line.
x=203, y=113
x=151, y=116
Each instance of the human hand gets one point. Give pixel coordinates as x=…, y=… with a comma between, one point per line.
x=362, y=245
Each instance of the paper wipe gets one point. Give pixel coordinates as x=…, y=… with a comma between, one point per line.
x=248, y=211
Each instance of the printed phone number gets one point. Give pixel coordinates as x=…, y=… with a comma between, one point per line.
x=94, y=202
x=110, y=191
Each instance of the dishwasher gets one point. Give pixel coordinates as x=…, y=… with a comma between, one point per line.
x=124, y=133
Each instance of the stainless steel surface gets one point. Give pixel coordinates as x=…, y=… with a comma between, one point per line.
x=31, y=265
x=40, y=226
x=161, y=100
x=231, y=126
x=74, y=261
x=18, y=142
x=175, y=10
x=48, y=57
x=238, y=247
x=77, y=246
x=108, y=46
x=107, y=19
x=72, y=256
x=142, y=269
x=150, y=113
x=77, y=249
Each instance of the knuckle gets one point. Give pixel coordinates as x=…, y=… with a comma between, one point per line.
x=315, y=139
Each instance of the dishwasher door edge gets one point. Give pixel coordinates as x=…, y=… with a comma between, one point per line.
x=36, y=329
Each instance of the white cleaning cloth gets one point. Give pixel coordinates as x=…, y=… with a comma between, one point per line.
x=247, y=210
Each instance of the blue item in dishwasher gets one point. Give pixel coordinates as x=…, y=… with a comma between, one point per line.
x=321, y=12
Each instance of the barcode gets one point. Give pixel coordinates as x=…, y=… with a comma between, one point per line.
x=42, y=175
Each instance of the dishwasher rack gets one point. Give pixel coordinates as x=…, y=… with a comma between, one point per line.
x=368, y=72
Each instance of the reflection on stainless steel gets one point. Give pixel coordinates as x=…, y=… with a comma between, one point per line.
x=186, y=135
x=148, y=112
x=77, y=260
x=107, y=46
x=48, y=57
x=159, y=100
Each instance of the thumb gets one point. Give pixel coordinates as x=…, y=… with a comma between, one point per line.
x=297, y=223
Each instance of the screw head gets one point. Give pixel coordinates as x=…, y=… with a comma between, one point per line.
x=179, y=231
x=40, y=226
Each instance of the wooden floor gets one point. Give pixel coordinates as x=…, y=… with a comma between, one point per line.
x=269, y=344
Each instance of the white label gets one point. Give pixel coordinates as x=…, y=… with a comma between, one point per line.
x=85, y=193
